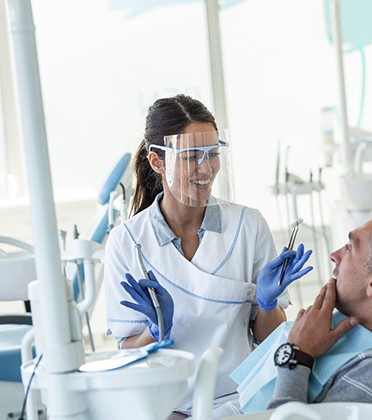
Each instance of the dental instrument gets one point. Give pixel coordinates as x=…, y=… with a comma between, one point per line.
x=75, y=233
x=104, y=361
x=62, y=237
x=294, y=226
x=152, y=294
x=123, y=207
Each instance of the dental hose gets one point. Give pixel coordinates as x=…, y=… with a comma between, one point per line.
x=154, y=298
x=159, y=316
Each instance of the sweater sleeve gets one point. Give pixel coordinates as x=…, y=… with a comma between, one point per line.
x=291, y=385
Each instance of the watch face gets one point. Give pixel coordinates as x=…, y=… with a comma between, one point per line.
x=283, y=354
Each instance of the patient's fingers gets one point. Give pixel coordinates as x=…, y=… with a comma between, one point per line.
x=343, y=327
x=318, y=302
x=308, y=309
x=330, y=294
x=300, y=314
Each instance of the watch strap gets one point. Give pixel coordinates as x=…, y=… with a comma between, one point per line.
x=300, y=358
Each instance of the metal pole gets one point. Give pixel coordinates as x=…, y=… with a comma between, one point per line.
x=226, y=184
x=345, y=151
x=216, y=63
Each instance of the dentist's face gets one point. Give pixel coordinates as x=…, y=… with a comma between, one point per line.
x=353, y=269
x=196, y=170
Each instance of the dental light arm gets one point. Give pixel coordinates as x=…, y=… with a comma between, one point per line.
x=64, y=351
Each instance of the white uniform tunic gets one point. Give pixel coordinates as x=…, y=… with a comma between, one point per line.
x=213, y=294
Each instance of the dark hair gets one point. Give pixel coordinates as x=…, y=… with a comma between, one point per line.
x=165, y=117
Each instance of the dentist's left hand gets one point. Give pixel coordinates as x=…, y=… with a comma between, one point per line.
x=140, y=294
x=268, y=289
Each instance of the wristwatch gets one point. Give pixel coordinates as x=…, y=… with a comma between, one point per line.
x=290, y=355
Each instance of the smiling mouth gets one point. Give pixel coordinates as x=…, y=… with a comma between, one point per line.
x=200, y=182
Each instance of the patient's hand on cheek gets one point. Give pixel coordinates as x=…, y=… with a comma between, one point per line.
x=312, y=331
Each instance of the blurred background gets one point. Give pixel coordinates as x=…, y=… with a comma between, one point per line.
x=268, y=70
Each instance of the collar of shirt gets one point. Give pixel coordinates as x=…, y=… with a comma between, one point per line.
x=164, y=234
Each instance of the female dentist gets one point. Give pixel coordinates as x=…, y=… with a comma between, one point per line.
x=209, y=261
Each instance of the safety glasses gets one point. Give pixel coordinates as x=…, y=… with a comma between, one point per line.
x=194, y=154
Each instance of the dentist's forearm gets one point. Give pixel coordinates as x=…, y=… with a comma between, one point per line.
x=267, y=321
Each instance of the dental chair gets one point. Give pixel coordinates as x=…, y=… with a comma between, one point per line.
x=17, y=270
x=116, y=187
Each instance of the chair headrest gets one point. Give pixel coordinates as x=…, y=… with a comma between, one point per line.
x=114, y=178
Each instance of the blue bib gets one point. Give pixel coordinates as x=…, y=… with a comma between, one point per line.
x=256, y=375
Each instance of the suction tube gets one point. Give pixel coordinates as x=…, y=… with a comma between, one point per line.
x=294, y=226
x=152, y=293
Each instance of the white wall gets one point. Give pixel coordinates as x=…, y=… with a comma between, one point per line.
x=104, y=62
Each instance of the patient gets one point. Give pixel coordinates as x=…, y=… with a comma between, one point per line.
x=326, y=358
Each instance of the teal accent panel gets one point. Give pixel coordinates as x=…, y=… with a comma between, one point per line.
x=356, y=22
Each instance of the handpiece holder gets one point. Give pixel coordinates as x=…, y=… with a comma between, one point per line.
x=152, y=294
x=294, y=226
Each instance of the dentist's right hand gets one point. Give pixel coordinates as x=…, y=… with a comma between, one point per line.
x=140, y=294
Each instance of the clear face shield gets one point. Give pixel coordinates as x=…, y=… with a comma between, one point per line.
x=192, y=162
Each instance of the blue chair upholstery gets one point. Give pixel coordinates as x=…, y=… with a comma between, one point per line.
x=97, y=230
x=10, y=337
x=114, y=178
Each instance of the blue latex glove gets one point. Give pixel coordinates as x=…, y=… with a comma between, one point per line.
x=268, y=289
x=140, y=294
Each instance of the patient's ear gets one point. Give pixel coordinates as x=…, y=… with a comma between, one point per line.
x=369, y=286
x=156, y=163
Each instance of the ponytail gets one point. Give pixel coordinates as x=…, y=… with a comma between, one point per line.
x=148, y=184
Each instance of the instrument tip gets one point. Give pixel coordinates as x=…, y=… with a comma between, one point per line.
x=295, y=223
